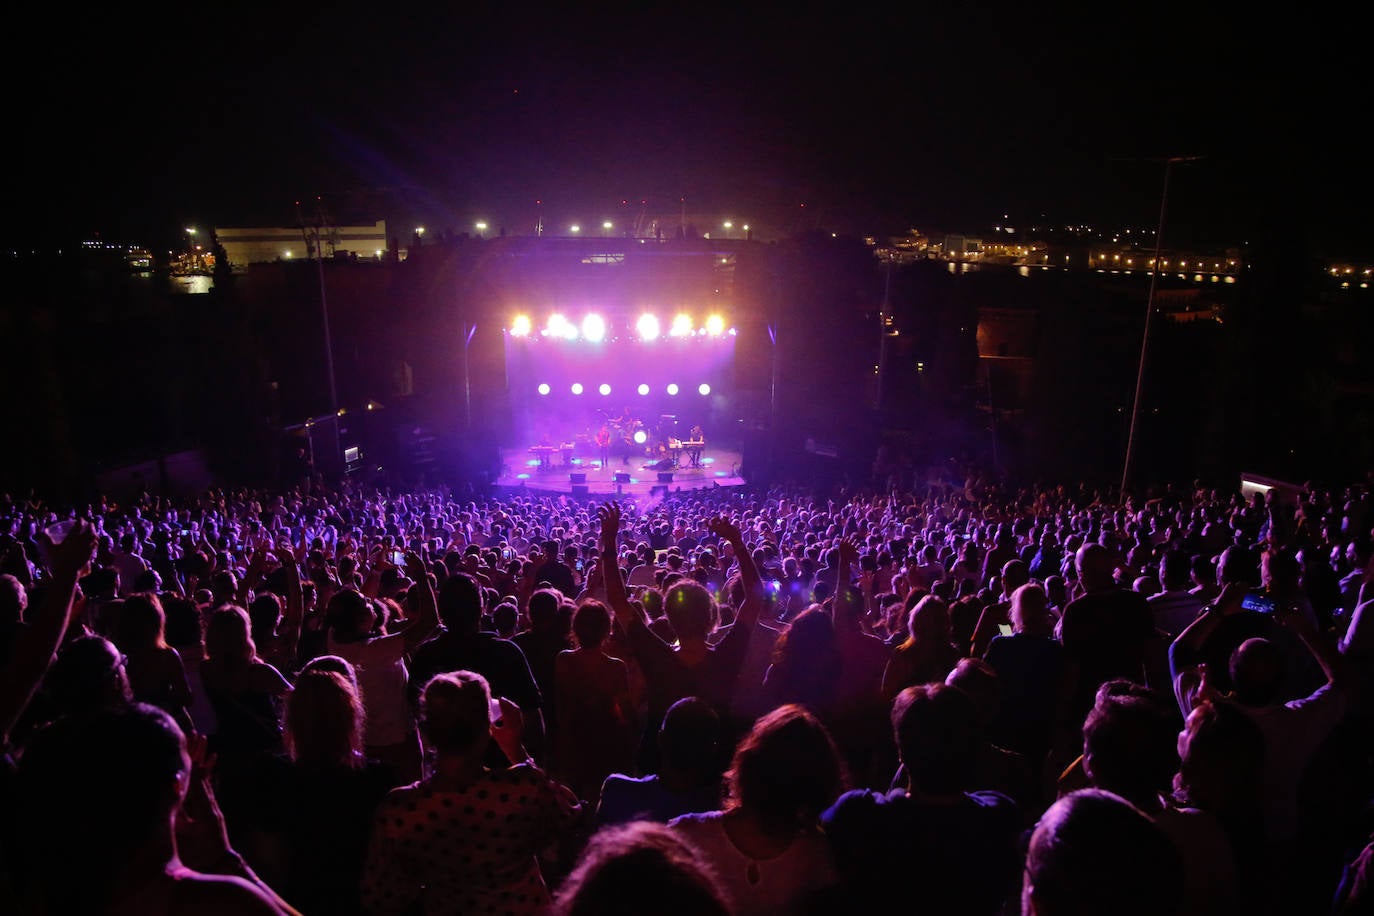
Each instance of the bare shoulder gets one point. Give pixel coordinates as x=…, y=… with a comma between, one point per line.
x=223, y=895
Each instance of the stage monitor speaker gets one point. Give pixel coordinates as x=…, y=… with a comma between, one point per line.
x=665, y=476
x=581, y=489
x=578, y=477
x=622, y=476
x=658, y=491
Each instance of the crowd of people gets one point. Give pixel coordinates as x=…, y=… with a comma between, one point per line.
x=954, y=700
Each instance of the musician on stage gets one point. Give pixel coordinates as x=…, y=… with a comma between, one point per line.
x=603, y=444
x=694, y=452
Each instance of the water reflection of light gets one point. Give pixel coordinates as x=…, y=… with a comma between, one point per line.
x=193, y=284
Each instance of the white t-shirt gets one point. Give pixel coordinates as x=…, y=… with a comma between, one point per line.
x=382, y=679
x=776, y=885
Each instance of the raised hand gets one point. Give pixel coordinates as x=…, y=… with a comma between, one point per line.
x=849, y=554
x=415, y=566
x=724, y=528
x=74, y=553
x=609, y=516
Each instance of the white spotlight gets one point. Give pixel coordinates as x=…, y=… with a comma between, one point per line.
x=605, y=389
x=643, y=388
x=576, y=387
x=647, y=326
x=704, y=389
x=641, y=437
x=594, y=328
x=543, y=387
x=672, y=389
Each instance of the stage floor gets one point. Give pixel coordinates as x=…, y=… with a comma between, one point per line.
x=522, y=470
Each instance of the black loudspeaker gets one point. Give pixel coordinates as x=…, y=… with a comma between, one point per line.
x=581, y=489
x=665, y=476
x=577, y=477
x=622, y=476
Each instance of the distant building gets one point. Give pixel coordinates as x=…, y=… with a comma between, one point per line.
x=963, y=248
x=244, y=246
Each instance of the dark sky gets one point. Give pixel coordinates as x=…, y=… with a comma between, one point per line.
x=941, y=117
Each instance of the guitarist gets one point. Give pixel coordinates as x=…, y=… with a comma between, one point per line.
x=603, y=444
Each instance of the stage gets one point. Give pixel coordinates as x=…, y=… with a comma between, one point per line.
x=552, y=473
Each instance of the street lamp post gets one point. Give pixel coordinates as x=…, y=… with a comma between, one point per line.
x=1149, y=311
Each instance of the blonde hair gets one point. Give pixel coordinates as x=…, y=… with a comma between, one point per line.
x=324, y=720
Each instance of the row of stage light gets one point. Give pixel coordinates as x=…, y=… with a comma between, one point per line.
x=594, y=327
x=544, y=388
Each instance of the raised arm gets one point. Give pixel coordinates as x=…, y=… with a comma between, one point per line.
x=426, y=604
x=295, y=604
x=33, y=650
x=611, y=576
x=749, y=574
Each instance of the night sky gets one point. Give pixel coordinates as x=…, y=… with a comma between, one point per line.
x=945, y=117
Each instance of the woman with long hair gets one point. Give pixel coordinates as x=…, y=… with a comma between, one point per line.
x=246, y=691
x=806, y=664
x=314, y=809
x=766, y=843
x=928, y=653
x=156, y=673
x=467, y=837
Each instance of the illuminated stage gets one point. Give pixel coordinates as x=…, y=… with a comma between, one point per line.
x=523, y=470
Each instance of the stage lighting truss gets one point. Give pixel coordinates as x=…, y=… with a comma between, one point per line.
x=672, y=389
x=595, y=328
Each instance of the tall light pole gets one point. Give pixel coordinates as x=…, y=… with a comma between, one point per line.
x=1149, y=312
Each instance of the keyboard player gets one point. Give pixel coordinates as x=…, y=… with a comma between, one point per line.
x=693, y=446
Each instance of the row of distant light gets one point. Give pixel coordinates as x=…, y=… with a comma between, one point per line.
x=576, y=388
x=593, y=327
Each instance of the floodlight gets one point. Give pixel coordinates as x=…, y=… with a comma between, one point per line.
x=715, y=325
x=605, y=389
x=643, y=388
x=647, y=326
x=576, y=387
x=594, y=328
x=520, y=326
x=641, y=437
x=704, y=389
x=672, y=389
x=544, y=388
x=682, y=326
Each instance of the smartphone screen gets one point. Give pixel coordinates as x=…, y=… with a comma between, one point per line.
x=1256, y=601
x=398, y=557
x=1004, y=629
